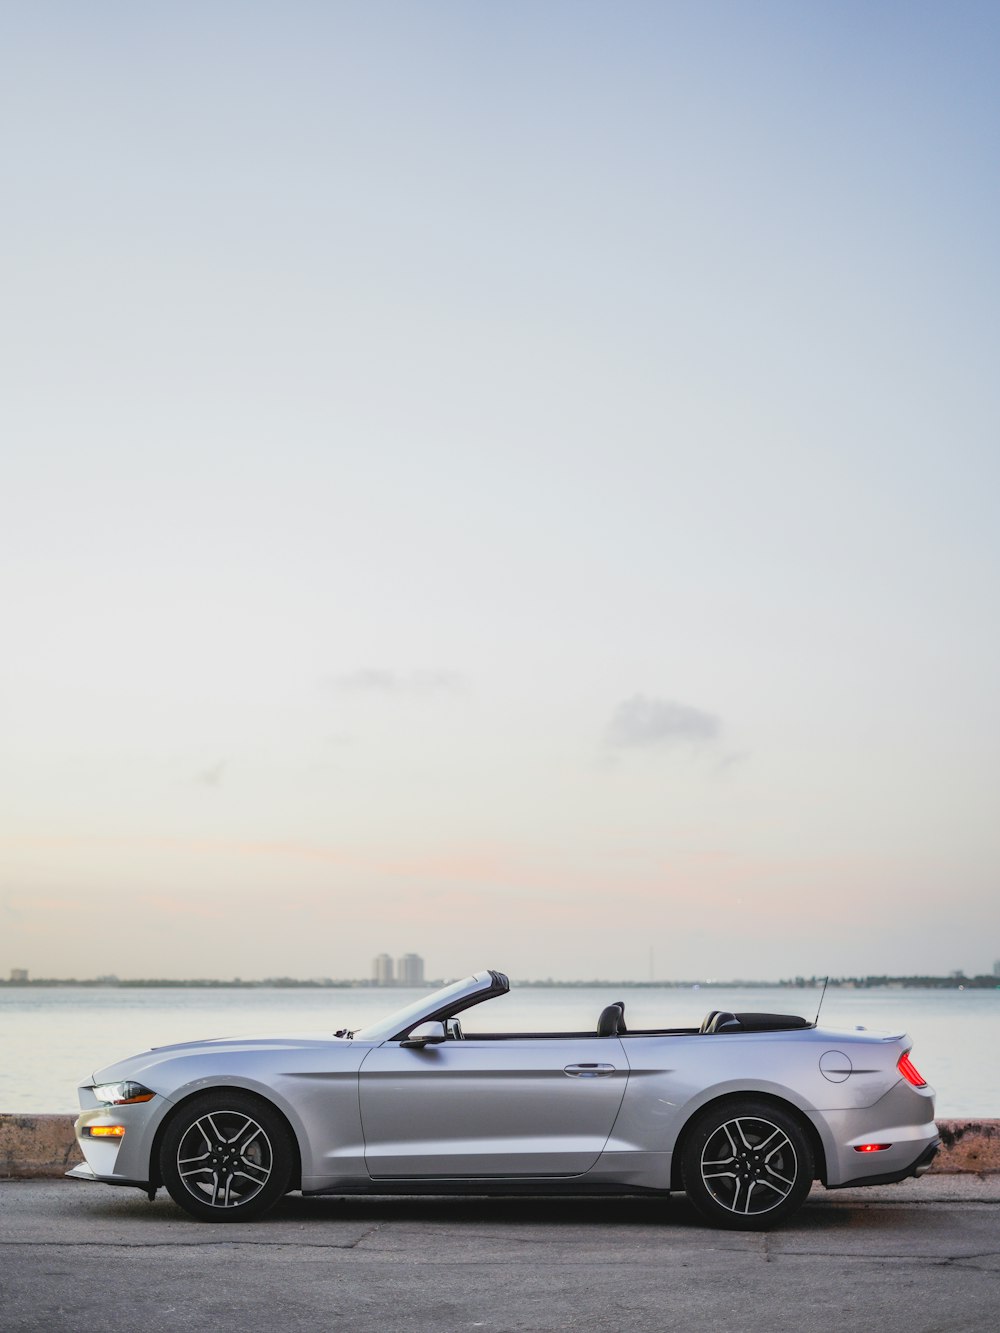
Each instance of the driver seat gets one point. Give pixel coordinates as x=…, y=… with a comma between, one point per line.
x=612, y=1020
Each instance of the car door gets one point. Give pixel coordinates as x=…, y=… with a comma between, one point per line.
x=511, y=1106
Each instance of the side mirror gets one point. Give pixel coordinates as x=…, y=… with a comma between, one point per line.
x=425, y=1034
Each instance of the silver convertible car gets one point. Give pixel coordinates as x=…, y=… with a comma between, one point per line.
x=742, y=1113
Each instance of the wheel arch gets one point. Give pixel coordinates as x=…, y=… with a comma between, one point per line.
x=733, y=1098
x=295, y=1180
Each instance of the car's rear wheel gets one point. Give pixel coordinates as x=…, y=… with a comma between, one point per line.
x=226, y=1157
x=746, y=1165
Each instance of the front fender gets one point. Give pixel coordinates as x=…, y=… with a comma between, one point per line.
x=315, y=1090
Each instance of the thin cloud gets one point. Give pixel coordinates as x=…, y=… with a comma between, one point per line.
x=419, y=684
x=646, y=723
x=212, y=777
x=729, y=762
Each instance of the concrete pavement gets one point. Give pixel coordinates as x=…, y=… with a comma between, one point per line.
x=923, y=1256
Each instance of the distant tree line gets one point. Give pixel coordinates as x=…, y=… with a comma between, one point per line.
x=951, y=982
x=199, y=983
x=983, y=981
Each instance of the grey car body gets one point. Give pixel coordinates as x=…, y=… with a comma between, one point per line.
x=743, y=1113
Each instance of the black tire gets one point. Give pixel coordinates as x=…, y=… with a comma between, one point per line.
x=746, y=1165
x=226, y=1156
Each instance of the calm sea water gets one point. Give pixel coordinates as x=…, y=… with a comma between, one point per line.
x=51, y=1039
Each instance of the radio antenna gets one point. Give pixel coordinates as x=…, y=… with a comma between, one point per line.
x=826, y=981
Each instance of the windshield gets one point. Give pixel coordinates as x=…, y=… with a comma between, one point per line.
x=428, y=1004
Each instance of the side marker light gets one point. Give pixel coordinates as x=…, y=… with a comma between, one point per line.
x=871, y=1147
x=106, y=1131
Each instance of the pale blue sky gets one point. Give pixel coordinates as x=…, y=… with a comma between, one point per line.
x=513, y=482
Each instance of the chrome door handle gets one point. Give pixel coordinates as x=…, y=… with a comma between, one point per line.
x=589, y=1071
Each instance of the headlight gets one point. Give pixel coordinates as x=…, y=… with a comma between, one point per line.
x=122, y=1094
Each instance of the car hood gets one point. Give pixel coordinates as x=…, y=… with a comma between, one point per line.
x=146, y=1062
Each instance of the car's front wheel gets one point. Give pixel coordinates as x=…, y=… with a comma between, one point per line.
x=226, y=1157
x=746, y=1165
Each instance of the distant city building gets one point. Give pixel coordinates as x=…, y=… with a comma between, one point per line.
x=410, y=970
x=382, y=970
x=996, y=968
x=21, y=973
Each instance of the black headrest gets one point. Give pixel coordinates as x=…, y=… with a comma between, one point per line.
x=720, y=1020
x=612, y=1020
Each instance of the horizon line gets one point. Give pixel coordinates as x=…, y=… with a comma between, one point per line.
x=956, y=980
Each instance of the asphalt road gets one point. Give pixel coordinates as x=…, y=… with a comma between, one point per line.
x=923, y=1257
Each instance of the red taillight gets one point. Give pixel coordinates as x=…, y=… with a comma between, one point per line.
x=871, y=1147
x=910, y=1072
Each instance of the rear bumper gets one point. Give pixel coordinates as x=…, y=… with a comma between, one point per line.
x=902, y=1121
x=915, y=1168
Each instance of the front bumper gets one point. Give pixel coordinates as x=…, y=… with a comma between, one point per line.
x=83, y=1171
x=128, y=1160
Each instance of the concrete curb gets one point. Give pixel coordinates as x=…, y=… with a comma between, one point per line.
x=36, y=1146
x=968, y=1145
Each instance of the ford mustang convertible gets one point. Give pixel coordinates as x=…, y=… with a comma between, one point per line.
x=742, y=1113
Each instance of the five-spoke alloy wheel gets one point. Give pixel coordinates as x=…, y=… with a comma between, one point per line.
x=746, y=1165
x=226, y=1157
